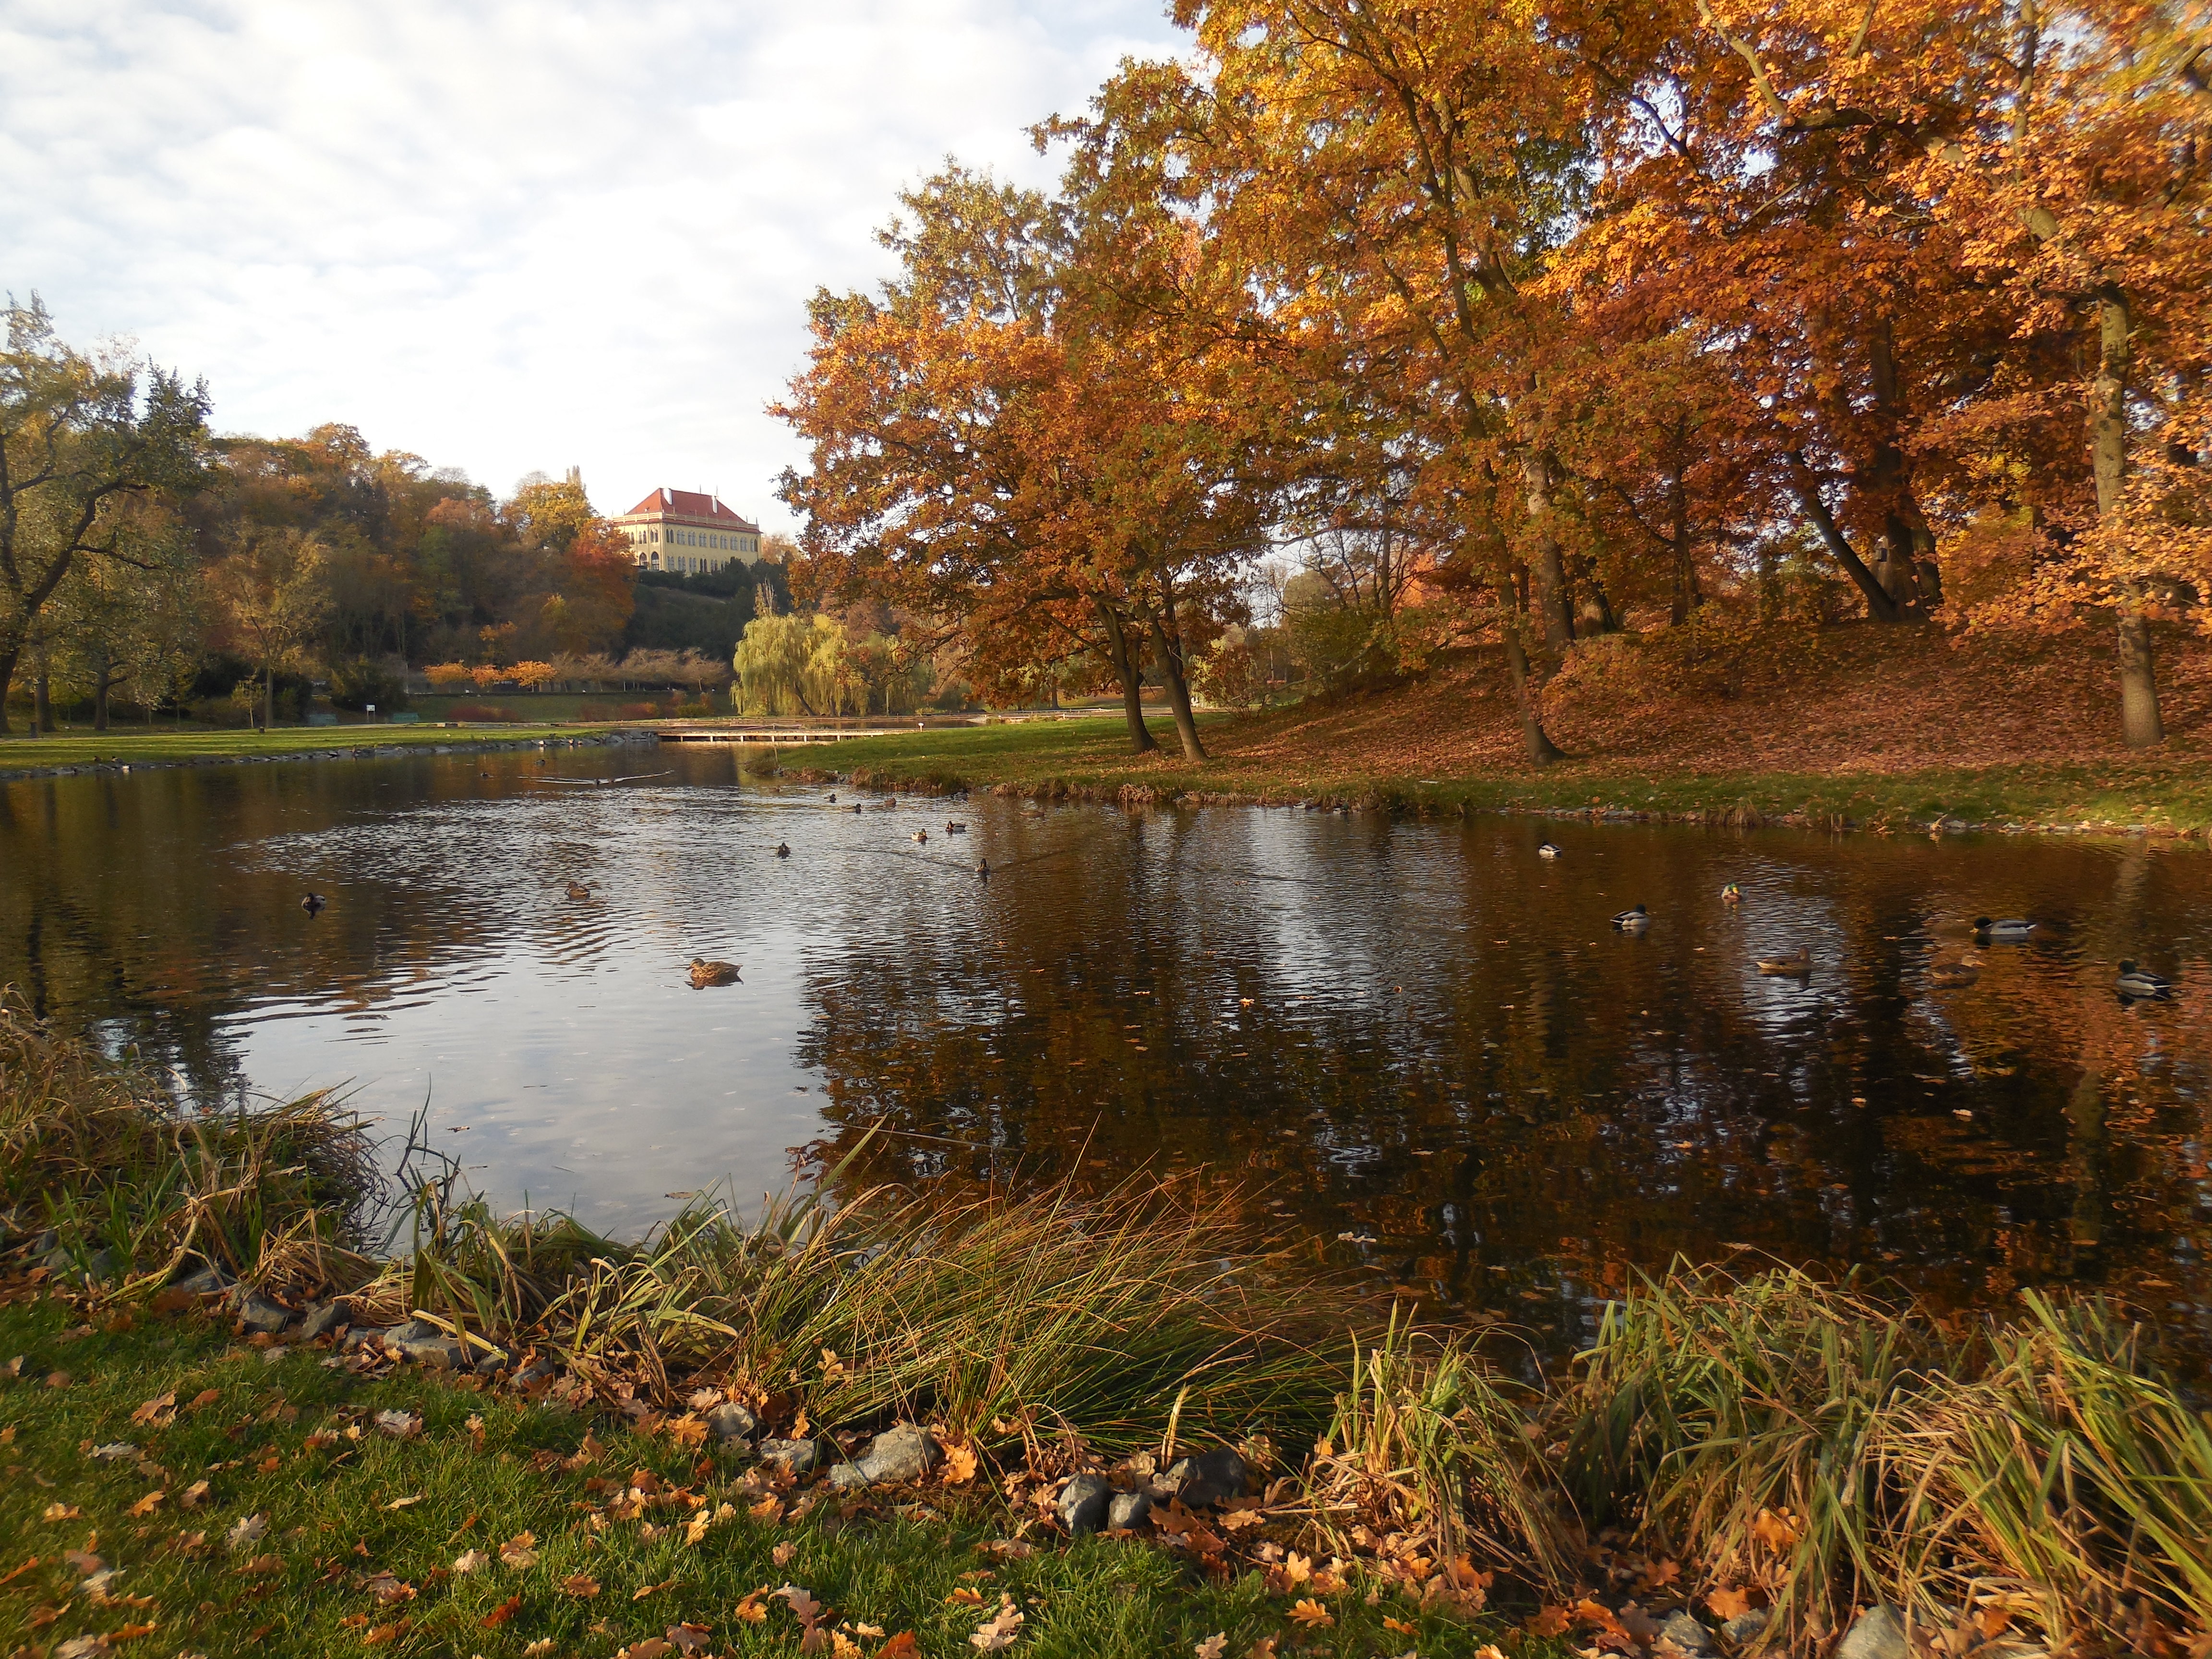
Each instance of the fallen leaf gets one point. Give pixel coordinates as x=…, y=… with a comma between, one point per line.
x=963, y=1596
x=749, y=1610
x=1314, y=1616
x=540, y=1648
x=383, y=1633
x=388, y=1588
x=1400, y=1627
x=520, y=1551
x=114, y=1451
x=157, y=1411
x=959, y=1464
x=580, y=1585
x=261, y=1566
x=687, y=1430
x=193, y=1495
x=808, y=1609
x=204, y=1398
x=1728, y=1602
x=1550, y=1622
x=769, y=1509
x=61, y=1512
x=1297, y=1568
x=402, y=1503
x=131, y=1632
x=904, y=1645
x=400, y=1425
x=1000, y=1632
x=652, y=1648
x=690, y=1638
x=1777, y=1531
x=782, y=1552
x=469, y=1561
x=84, y=1564
x=652, y=1589
x=842, y=1646
x=248, y=1531
x=149, y=1504
x=1213, y=1646
x=505, y=1611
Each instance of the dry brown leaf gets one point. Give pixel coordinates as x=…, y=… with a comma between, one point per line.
x=767, y=1509
x=505, y=1611
x=1000, y=1632
x=204, y=1398
x=387, y=1588
x=1312, y=1614
x=1550, y=1622
x=469, y=1561
x=963, y=1596
x=688, y=1638
x=1777, y=1531
x=520, y=1552
x=157, y=1411
x=782, y=1552
x=580, y=1585
x=750, y=1610
x=403, y=1503
x=540, y=1649
x=652, y=1590
x=1400, y=1627
x=61, y=1512
x=904, y=1645
x=653, y=1647
x=1728, y=1602
x=383, y=1633
x=959, y=1464
x=1212, y=1647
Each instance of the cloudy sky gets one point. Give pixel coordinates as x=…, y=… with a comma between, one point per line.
x=507, y=236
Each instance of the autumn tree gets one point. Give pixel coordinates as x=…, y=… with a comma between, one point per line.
x=274, y=588
x=82, y=438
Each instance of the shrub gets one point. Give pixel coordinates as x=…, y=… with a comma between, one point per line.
x=483, y=712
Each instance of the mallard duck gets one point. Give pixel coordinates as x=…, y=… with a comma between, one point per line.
x=1546, y=850
x=954, y=826
x=983, y=867
x=1633, y=920
x=313, y=904
x=2140, y=985
x=1964, y=972
x=856, y=806
x=783, y=849
x=920, y=836
x=2012, y=930
x=833, y=797
x=581, y=891
x=1731, y=894
x=1795, y=963
x=705, y=973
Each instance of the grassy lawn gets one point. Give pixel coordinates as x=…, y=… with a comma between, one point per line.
x=360, y=1540
x=124, y=743
x=2173, y=793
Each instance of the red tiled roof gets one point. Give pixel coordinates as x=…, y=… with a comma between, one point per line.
x=690, y=504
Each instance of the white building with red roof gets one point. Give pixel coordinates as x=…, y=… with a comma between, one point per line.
x=687, y=533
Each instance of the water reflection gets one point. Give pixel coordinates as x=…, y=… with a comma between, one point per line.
x=1423, y=1046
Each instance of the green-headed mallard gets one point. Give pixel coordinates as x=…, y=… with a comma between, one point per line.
x=1633, y=920
x=2012, y=930
x=2140, y=985
x=1546, y=850
x=1731, y=894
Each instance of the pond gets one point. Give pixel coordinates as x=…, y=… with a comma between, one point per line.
x=1422, y=1049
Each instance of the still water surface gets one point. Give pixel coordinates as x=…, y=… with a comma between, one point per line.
x=1423, y=1048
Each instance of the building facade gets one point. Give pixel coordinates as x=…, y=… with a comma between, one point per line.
x=687, y=533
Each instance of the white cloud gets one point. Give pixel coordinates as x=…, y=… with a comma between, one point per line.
x=507, y=236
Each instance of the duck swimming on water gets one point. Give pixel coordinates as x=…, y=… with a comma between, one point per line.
x=1731, y=894
x=1546, y=850
x=2012, y=930
x=921, y=835
x=1964, y=972
x=313, y=904
x=783, y=849
x=1633, y=920
x=1795, y=963
x=581, y=891
x=2140, y=985
x=705, y=973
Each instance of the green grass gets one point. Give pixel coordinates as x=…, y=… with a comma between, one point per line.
x=331, y=1528
x=134, y=745
x=1092, y=756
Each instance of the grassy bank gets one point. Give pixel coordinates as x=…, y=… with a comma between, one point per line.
x=2170, y=794
x=1768, y=1456
x=137, y=745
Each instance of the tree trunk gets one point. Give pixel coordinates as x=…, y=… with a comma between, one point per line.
x=1542, y=751
x=1889, y=480
x=42, y=710
x=2108, y=454
x=1125, y=669
x=1879, y=605
x=268, y=696
x=1686, y=598
x=100, y=700
x=1549, y=565
x=7, y=661
x=1167, y=646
